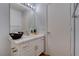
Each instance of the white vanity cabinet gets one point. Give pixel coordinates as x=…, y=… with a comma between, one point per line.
x=27, y=49
x=33, y=47
x=39, y=46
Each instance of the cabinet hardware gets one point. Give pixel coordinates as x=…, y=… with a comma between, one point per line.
x=14, y=51
x=36, y=47
x=12, y=48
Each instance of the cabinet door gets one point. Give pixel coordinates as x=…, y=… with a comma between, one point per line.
x=39, y=46
x=27, y=49
x=32, y=48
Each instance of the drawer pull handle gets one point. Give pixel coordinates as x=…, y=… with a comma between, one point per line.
x=12, y=48
x=14, y=51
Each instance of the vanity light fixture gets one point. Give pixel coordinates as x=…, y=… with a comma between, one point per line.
x=30, y=6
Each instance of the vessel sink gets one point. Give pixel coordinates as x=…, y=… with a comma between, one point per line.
x=16, y=36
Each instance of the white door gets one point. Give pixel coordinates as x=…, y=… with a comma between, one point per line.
x=59, y=28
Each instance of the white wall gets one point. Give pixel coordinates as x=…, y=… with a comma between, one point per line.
x=4, y=29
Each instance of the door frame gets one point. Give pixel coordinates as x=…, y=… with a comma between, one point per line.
x=72, y=42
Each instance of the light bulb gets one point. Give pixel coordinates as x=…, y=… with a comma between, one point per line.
x=28, y=4
x=31, y=6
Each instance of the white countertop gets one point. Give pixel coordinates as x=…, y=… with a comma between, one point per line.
x=27, y=38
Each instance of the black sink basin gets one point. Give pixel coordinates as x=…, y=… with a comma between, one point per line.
x=16, y=36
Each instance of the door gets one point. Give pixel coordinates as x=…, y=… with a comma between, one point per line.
x=59, y=29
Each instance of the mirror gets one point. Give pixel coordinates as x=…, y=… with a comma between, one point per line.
x=29, y=22
x=15, y=20
x=21, y=20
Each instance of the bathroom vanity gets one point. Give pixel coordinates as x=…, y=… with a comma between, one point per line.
x=23, y=19
x=32, y=45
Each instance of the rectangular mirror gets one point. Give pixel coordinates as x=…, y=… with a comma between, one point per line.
x=22, y=18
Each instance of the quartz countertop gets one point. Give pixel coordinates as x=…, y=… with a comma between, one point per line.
x=27, y=38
